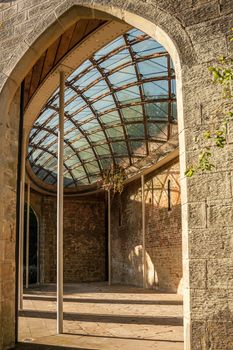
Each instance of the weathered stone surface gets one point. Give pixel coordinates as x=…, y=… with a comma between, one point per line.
x=220, y=273
x=211, y=243
x=197, y=215
x=220, y=213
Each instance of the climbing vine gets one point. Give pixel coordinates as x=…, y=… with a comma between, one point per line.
x=222, y=74
x=113, y=179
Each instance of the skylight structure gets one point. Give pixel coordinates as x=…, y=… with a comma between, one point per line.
x=119, y=104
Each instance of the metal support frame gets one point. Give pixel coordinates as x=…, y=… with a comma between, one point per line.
x=28, y=234
x=38, y=252
x=109, y=240
x=21, y=231
x=60, y=200
x=118, y=107
x=143, y=231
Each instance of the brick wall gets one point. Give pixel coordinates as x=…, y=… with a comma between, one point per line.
x=163, y=233
x=84, y=240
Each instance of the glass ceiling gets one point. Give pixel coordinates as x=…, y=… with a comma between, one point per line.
x=117, y=103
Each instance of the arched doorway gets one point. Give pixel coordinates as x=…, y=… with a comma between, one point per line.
x=148, y=28
x=33, y=277
x=120, y=105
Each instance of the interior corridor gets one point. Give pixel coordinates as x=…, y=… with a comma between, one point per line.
x=99, y=317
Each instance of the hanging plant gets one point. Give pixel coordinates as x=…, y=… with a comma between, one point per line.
x=113, y=179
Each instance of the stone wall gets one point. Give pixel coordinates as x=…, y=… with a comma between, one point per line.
x=163, y=232
x=84, y=240
x=8, y=180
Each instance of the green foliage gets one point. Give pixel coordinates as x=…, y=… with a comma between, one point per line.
x=222, y=75
x=114, y=178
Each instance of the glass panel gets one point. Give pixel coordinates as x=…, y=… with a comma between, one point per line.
x=153, y=67
x=173, y=83
x=48, y=140
x=157, y=131
x=68, y=181
x=92, y=167
x=79, y=70
x=136, y=130
x=134, y=33
x=72, y=135
x=110, y=118
x=84, y=181
x=157, y=111
x=97, y=90
x=130, y=94
x=50, y=180
x=69, y=93
x=36, y=153
x=102, y=150
x=53, y=148
x=42, y=173
x=74, y=105
x=44, y=116
x=88, y=154
x=72, y=161
x=85, y=114
x=97, y=137
x=88, y=127
x=40, y=135
x=133, y=113
x=94, y=178
x=68, y=152
x=53, y=122
x=106, y=163
x=51, y=164
x=156, y=89
x=123, y=76
x=174, y=111
x=110, y=47
x=120, y=148
x=81, y=143
x=78, y=172
x=147, y=47
x=104, y=104
x=68, y=125
x=117, y=60
x=138, y=147
x=116, y=132
x=88, y=78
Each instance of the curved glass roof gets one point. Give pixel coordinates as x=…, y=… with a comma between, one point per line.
x=117, y=103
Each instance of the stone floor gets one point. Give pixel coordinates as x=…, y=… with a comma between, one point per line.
x=99, y=317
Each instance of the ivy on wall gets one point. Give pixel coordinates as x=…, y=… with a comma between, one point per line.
x=222, y=74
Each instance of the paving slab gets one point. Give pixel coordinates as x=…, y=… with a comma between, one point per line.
x=101, y=317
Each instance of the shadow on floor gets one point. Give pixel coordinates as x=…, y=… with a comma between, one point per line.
x=92, y=287
x=106, y=301
x=33, y=346
x=126, y=338
x=143, y=320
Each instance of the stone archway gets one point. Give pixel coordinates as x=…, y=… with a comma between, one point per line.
x=198, y=217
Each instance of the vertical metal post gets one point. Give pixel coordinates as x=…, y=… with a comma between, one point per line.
x=109, y=240
x=28, y=234
x=60, y=199
x=38, y=252
x=21, y=231
x=143, y=231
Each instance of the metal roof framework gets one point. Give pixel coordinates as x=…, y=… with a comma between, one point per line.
x=117, y=103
